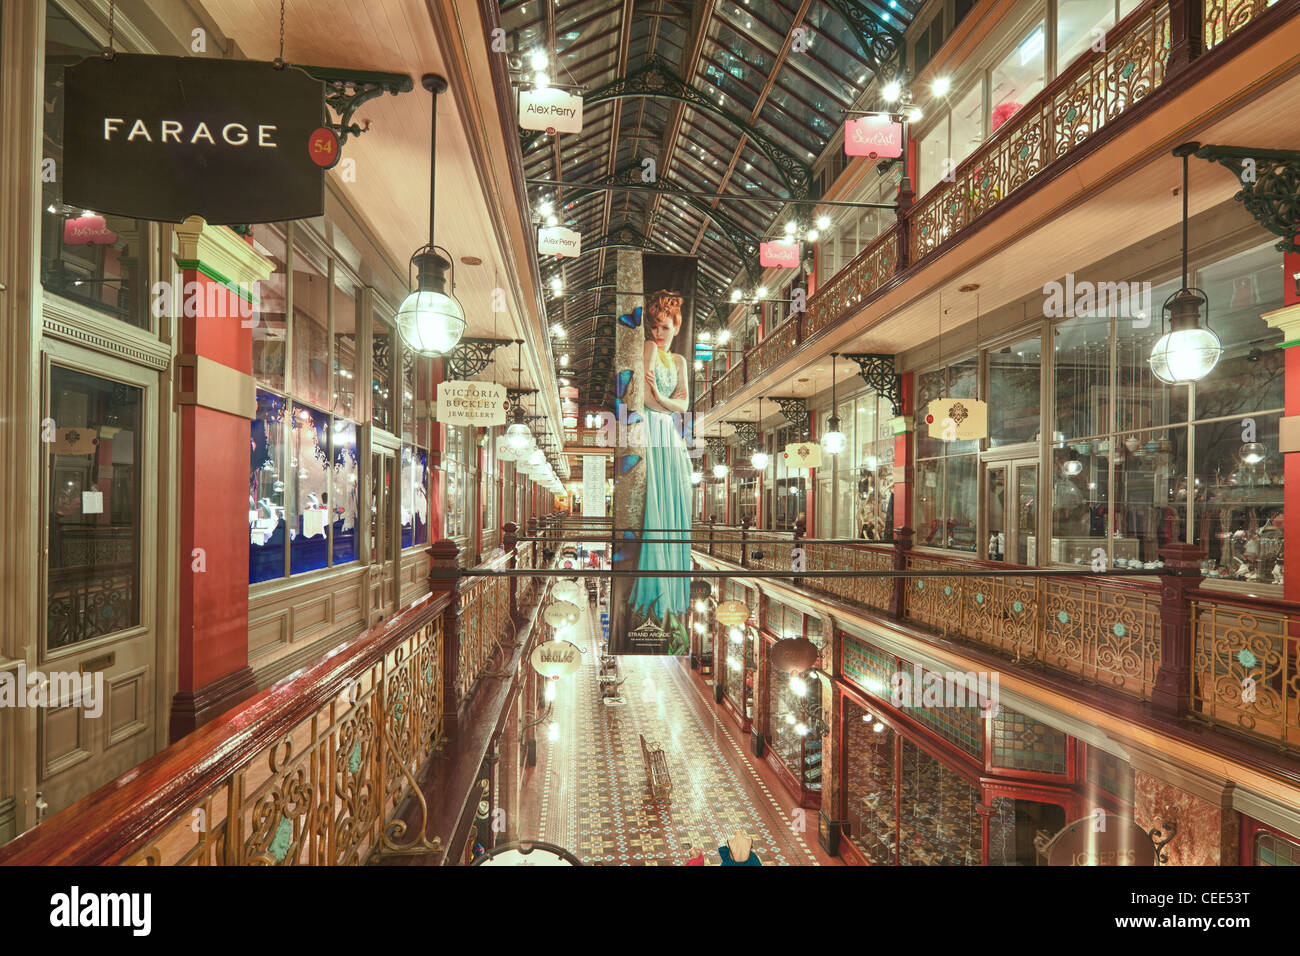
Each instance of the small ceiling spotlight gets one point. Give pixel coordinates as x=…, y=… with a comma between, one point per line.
x=941, y=86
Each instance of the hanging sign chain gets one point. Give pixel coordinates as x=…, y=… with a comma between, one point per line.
x=279, y=60
x=112, y=12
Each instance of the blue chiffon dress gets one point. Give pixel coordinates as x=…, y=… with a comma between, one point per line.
x=667, y=506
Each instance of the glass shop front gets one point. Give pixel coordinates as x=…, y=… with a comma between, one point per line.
x=736, y=658
x=1087, y=449
x=794, y=748
x=936, y=785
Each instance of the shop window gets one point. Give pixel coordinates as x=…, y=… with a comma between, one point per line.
x=456, y=470
x=382, y=351
x=270, y=327
x=1076, y=24
x=1014, y=824
x=1111, y=774
x=309, y=478
x=1015, y=373
x=408, y=394
x=933, y=152
x=870, y=784
x=1237, y=492
x=415, y=496
x=1021, y=743
x=98, y=260
x=345, y=509
x=947, y=471
x=93, y=490
x=1273, y=850
x=346, y=295
x=939, y=823
x=488, y=483
x=311, y=294
x=266, y=492
x=801, y=754
x=1018, y=78
x=967, y=123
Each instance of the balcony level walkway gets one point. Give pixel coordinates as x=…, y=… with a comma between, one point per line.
x=588, y=791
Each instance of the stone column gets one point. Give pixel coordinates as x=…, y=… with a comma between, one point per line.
x=216, y=394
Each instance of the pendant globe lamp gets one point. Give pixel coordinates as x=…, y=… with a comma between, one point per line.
x=430, y=319
x=834, y=441
x=1188, y=351
x=519, y=435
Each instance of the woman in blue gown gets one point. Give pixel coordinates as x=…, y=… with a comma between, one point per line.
x=668, y=476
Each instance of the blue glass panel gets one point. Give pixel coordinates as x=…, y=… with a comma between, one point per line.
x=309, y=470
x=266, y=491
x=345, y=503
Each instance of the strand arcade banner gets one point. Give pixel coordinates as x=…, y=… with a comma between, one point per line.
x=652, y=468
x=169, y=137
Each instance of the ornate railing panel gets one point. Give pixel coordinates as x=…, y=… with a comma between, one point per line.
x=1245, y=666
x=1223, y=18
x=1108, y=635
x=778, y=344
x=484, y=614
x=873, y=592
x=869, y=270
x=727, y=546
x=1076, y=105
x=326, y=792
x=728, y=383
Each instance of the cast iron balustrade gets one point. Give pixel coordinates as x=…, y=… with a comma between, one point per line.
x=334, y=766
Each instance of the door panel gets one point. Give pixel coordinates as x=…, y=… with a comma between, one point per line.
x=97, y=647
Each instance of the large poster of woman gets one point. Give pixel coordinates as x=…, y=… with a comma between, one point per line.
x=652, y=485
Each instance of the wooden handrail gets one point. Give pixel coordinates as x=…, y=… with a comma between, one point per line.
x=121, y=817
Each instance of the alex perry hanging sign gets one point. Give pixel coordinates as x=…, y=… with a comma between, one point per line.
x=166, y=138
x=550, y=110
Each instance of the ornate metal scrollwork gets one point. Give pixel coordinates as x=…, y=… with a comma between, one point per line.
x=1270, y=187
x=1171, y=828
x=795, y=411
x=877, y=370
x=347, y=90
x=878, y=40
x=472, y=356
x=657, y=80
x=717, y=447
x=746, y=433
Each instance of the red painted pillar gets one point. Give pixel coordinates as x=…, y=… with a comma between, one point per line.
x=217, y=398
x=904, y=459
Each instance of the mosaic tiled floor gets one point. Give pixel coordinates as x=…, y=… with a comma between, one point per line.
x=589, y=794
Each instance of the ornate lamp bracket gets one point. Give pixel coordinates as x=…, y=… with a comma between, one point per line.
x=746, y=433
x=1270, y=185
x=347, y=90
x=795, y=411
x=717, y=447
x=1170, y=827
x=877, y=370
x=472, y=356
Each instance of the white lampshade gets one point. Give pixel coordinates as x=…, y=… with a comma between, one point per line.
x=518, y=436
x=719, y=471
x=537, y=459
x=760, y=459
x=1185, y=355
x=834, y=441
x=696, y=477
x=504, y=451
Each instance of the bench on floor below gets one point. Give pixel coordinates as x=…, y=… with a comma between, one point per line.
x=656, y=770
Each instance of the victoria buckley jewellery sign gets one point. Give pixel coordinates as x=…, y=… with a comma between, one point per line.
x=168, y=137
x=472, y=403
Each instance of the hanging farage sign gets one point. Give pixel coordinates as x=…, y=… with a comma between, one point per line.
x=481, y=404
x=550, y=110
x=873, y=136
x=558, y=241
x=804, y=454
x=778, y=255
x=167, y=137
x=957, y=419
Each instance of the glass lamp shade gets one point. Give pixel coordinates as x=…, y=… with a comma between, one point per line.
x=760, y=459
x=518, y=436
x=505, y=451
x=1252, y=453
x=719, y=471
x=696, y=477
x=1187, y=352
x=429, y=320
x=537, y=459
x=834, y=441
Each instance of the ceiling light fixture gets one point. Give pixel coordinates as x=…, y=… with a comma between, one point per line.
x=430, y=320
x=834, y=441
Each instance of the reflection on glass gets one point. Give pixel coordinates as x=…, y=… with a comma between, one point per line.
x=382, y=354
x=1079, y=26
x=269, y=326
x=91, y=258
x=1238, y=489
x=266, y=489
x=309, y=472
x=345, y=513
x=1019, y=77
x=1014, y=375
x=961, y=490
x=408, y=395
x=415, y=496
x=1080, y=502
x=94, y=501
x=345, y=347
x=871, y=784
x=310, y=332
x=1149, y=514
x=1081, y=373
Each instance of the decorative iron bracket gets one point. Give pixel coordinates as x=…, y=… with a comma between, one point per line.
x=1270, y=187
x=877, y=370
x=717, y=447
x=347, y=90
x=746, y=433
x=472, y=356
x=1155, y=833
x=877, y=40
x=795, y=411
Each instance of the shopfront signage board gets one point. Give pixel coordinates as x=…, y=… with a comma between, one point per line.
x=957, y=419
x=550, y=111
x=731, y=613
x=168, y=137
x=556, y=658
x=593, y=486
x=481, y=404
x=778, y=255
x=873, y=136
x=1101, y=839
x=558, y=241
x=804, y=454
